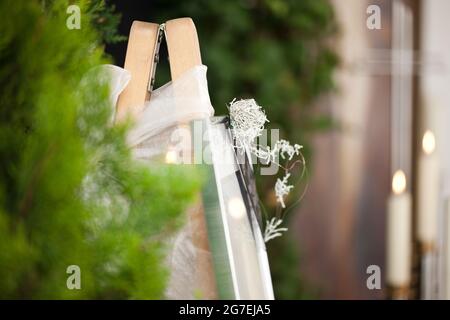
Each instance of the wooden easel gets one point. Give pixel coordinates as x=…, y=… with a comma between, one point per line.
x=184, y=53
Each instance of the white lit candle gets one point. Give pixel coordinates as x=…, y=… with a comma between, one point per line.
x=428, y=192
x=399, y=233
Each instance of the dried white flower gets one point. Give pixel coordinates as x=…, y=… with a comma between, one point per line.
x=247, y=120
x=282, y=189
x=264, y=154
x=272, y=230
x=284, y=146
x=281, y=147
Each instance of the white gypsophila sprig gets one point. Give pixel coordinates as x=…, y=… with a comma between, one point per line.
x=284, y=146
x=281, y=148
x=272, y=229
x=282, y=189
x=265, y=154
x=247, y=120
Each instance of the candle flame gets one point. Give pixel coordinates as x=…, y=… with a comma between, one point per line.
x=171, y=156
x=399, y=182
x=236, y=208
x=428, y=142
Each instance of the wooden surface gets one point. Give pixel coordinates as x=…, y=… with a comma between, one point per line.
x=139, y=62
x=182, y=45
x=184, y=53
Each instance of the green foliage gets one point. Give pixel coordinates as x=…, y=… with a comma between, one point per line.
x=285, y=266
x=69, y=191
x=102, y=16
x=105, y=20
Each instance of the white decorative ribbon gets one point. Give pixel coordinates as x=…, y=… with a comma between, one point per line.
x=179, y=101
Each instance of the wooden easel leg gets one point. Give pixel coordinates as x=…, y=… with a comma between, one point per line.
x=184, y=53
x=139, y=61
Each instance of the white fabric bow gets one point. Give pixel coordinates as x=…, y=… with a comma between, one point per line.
x=179, y=101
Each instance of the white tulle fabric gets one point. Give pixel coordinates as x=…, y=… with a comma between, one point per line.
x=177, y=102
